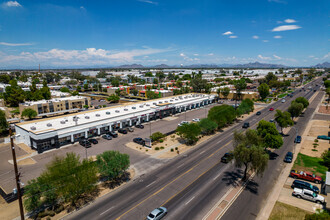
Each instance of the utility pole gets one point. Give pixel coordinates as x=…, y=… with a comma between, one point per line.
x=19, y=195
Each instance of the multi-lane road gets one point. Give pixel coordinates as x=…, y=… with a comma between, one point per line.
x=190, y=184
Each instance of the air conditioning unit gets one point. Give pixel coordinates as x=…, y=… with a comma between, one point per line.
x=108, y=113
x=49, y=125
x=125, y=109
x=62, y=122
x=33, y=128
x=97, y=115
x=117, y=111
x=87, y=117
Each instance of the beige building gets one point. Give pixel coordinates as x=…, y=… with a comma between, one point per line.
x=56, y=106
x=245, y=95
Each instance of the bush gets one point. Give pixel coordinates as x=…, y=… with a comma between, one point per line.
x=156, y=148
x=172, y=149
x=176, y=148
x=173, y=136
x=146, y=150
x=157, y=136
x=161, y=141
x=316, y=140
x=59, y=209
x=51, y=213
x=161, y=147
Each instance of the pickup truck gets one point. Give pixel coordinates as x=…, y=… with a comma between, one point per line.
x=308, y=195
x=305, y=176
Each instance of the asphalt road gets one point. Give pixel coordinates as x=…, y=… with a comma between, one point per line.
x=190, y=184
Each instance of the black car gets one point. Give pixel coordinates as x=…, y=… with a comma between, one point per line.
x=139, y=126
x=113, y=134
x=288, y=157
x=122, y=131
x=297, y=139
x=93, y=141
x=85, y=143
x=304, y=185
x=258, y=113
x=227, y=157
x=246, y=125
x=139, y=140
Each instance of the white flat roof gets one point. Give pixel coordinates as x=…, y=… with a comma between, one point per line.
x=109, y=115
x=52, y=100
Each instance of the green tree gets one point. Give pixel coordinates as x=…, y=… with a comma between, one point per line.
x=222, y=115
x=189, y=132
x=135, y=92
x=156, y=136
x=86, y=87
x=303, y=101
x=152, y=95
x=32, y=195
x=113, y=98
x=252, y=158
x=160, y=75
x=65, y=89
x=246, y=106
x=240, y=85
x=148, y=74
x=3, y=122
x=101, y=74
x=326, y=158
x=4, y=78
x=112, y=164
x=225, y=92
x=199, y=85
x=45, y=91
x=248, y=138
x=319, y=215
x=29, y=113
x=269, y=134
x=78, y=88
x=295, y=109
x=270, y=77
x=207, y=126
x=327, y=83
x=283, y=119
x=263, y=90
x=14, y=94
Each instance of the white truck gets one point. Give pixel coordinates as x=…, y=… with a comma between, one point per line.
x=308, y=195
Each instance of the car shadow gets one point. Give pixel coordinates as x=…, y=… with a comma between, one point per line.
x=233, y=178
x=272, y=155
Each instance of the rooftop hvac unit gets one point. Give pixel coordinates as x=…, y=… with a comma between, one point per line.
x=97, y=115
x=166, y=101
x=49, y=125
x=125, y=109
x=62, y=122
x=147, y=105
x=141, y=106
x=117, y=111
x=33, y=128
x=87, y=117
x=108, y=113
x=160, y=102
x=133, y=107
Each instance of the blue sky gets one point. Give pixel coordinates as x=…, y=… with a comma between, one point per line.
x=81, y=33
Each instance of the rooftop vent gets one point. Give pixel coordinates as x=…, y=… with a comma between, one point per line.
x=62, y=122
x=108, y=113
x=49, y=125
x=87, y=117
x=166, y=101
x=147, y=105
x=160, y=102
x=154, y=103
x=133, y=107
x=141, y=106
x=97, y=115
x=33, y=128
x=117, y=111
x=125, y=109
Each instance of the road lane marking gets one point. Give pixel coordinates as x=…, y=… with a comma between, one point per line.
x=202, y=152
x=151, y=184
x=161, y=189
x=190, y=200
x=107, y=210
x=181, y=165
x=217, y=176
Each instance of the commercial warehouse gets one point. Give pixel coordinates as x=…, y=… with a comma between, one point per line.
x=51, y=133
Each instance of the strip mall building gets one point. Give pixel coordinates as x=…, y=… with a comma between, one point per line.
x=45, y=134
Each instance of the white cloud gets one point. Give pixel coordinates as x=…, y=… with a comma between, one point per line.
x=228, y=33
x=277, y=57
x=149, y=2
x=289, y=20
x=196, y=54
x=196, y=59
x=82, y=8
x=277, y=37
x=326, y=56
x=265, y=41
x=263, y=58
x=232, y=36
x=211, y=54
x=15, y=44
x=12, y=4
x=311, y=56
x=182, y=55
x=255, y=37
x=286, y=28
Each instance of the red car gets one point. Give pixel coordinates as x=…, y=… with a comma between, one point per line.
x=305, y=176
x=271, y=109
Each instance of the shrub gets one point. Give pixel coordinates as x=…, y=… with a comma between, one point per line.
x=157, y=136
x=172, y=149
x=176, y=148
x=156, y=148
x=51, y=213
x=146, y=149
x=173, y=136
x=316, y=140
x=161, y=141
x=59, y=209
x=161, y=147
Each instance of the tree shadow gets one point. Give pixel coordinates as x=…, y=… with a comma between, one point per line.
x=233, y=178
x=113, y=183
x=252, y=186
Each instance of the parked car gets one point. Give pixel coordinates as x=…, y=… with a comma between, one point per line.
x=227, y=157
x=246, y=125
x=304, y=185
x=107, y=136
x=297, y=139
x=288, y=157
x=122, y=131
x=271, y=109
x=139, y=140
x=308, y=195
x=196, y=120
x=157, y=214
x=283, y=100
x=305, y=176
x=93, y=141
x=323, y=137
x=130, y=129
x=258, y=113
x=183, y=122
x=139, y=126
x=113, y=134
x=272, y=120
x=85, y=143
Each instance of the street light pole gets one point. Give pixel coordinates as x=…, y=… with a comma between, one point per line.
x=19, y=195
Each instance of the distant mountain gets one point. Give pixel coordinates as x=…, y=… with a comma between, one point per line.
x=322, y=65
x=259, y=65
x=202, y=66
x=162, y=66
x=131, y=66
